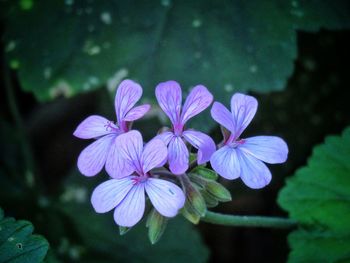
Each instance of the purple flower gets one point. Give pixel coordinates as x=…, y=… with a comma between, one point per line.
x=244, y=157
x=127, y=195
x=92, y=159
x=169, y=96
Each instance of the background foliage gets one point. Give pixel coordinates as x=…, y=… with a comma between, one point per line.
x=58, y=49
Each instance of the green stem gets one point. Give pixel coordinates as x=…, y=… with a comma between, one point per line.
x=248, y=221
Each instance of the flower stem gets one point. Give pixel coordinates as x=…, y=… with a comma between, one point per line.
x=248, y=221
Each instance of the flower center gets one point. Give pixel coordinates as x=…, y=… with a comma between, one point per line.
x=109, y=127
x=139, y=179
x=178, y=128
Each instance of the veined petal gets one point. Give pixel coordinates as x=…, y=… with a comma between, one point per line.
x=94, y=126
x=92, y=159
x=165, y=137
x=223, y=116
x=109, y=194
x=153, y=155
x=178, y=156
x=117, y=164
x=197, y=101
x=205, y=144
x=226, y=163
x=254, y=173
x=137, y=112
x=269, y=149
x=130, y=211
x=130, y=145
x=166, y=197
x=169, y=96
x=128, y=93
x=243, y=108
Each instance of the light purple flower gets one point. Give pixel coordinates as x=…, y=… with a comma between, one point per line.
x=92, y=159
x=127, y=195
x=244, y=157
x=169, y=96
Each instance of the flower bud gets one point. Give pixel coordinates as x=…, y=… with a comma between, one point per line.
x=205, y=173
x=123, y=230
x=156, y=224
x=210, y=200
x=218, y=191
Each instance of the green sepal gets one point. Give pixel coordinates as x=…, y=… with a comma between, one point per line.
x=123, y=230
x=218, y=191
x=204, y=173
x=209, y=199
x=190, y=214
x=156, y=224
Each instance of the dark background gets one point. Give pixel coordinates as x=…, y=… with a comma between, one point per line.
x=314, y=104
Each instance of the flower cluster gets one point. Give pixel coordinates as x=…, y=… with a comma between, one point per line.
x=161, y=168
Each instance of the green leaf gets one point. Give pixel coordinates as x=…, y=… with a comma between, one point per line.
x=100, y=237
x=17, y=244
x=318, y=196
x=226, y=45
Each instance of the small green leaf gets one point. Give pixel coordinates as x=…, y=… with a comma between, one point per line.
x=17, y=244
x=156, y=224
x=318, y=196
x=205, y=173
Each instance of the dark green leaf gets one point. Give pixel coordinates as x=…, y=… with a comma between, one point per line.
x=17, y=244
x=101, y=241
x=68, y=47
x=318, y=196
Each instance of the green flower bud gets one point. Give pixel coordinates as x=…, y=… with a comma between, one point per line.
x=156, y=224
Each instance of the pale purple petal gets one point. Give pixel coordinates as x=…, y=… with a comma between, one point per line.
x=130, y=145
x=205, y=145
x=117, y=164
x=92, y=159
x=154, y=154
x=169, y=96
x=197, y=101
x=166, y=197
x=269, y=149
x=128, y=93
x=243, y=108
x=137, y=112
x=131, y=209
x=254, y=173
x=225, y=162
x=178, y=156
x=94, y=126
x=165, y=137
x=109, y=194
x=223, y=116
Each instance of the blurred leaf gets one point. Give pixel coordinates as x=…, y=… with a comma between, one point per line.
x=103, y=243
x=17, y=244
x=318, y=196
x=68, y=47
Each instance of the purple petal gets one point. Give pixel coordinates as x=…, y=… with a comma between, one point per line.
x=131, y=209
x=92, y=159
x=169, y=96
x=197, y=101
x=166, y=197
x=117, y=164
x=223, y=116
x=178, y=156
x=165, y=137
x=128, y=93
x=269, y=149
x=137, y=112
x=205, y=145
x=109, y=194
x=94, y=126
x=225, y=162
x=130, y=145
x=154, y=154
x=254, y=173
x=243, y=108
